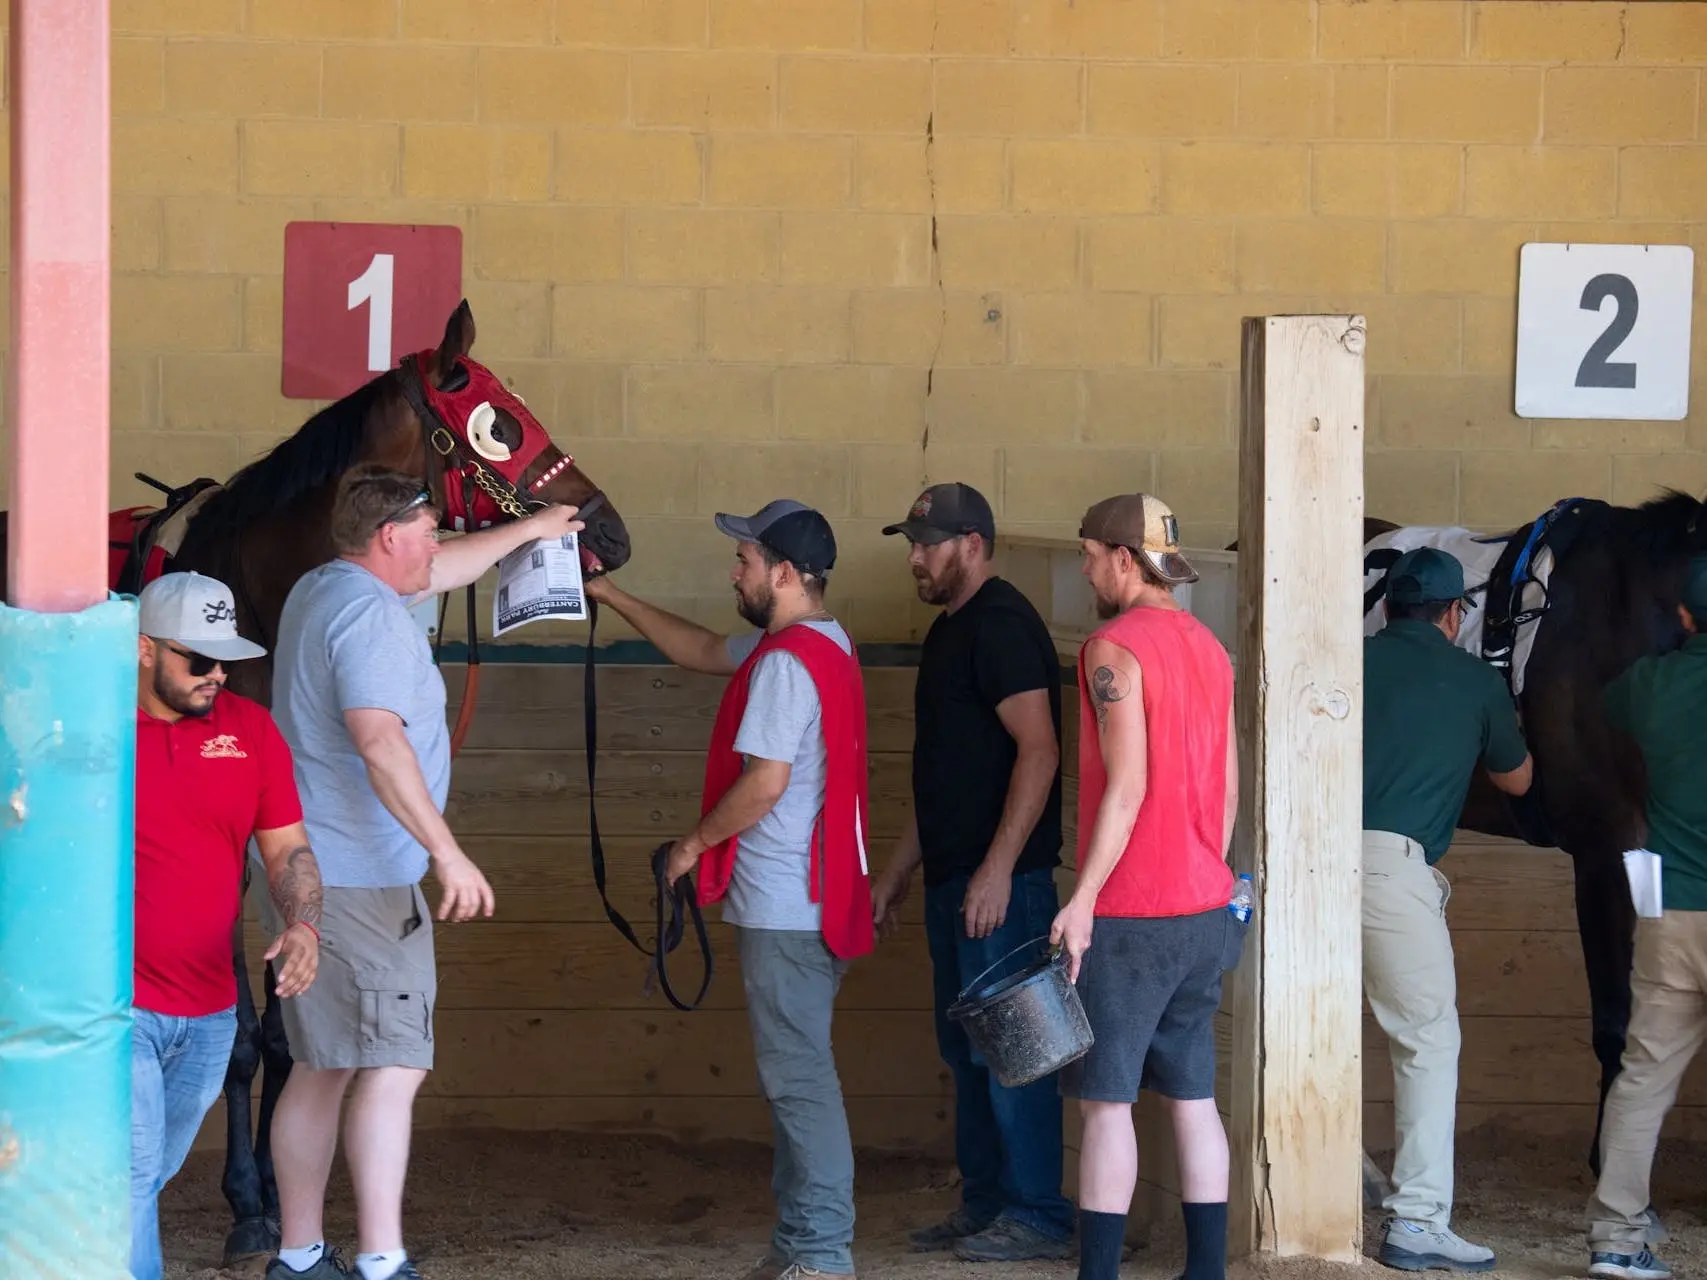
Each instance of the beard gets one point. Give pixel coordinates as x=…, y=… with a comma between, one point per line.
x=944, y=587
x=1106, y=608
x=185, y=703
x=760, y=610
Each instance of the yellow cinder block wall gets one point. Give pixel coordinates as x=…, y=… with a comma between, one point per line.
x=839, y=248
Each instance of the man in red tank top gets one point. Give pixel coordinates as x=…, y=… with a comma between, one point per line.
x=1147, y=929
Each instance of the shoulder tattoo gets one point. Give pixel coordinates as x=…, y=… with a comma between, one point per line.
x=1107, y=685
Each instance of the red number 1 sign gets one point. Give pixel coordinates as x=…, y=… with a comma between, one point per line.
x=358, y=296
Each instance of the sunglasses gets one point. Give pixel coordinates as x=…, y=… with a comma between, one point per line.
x=199, y=664
x=421, y=499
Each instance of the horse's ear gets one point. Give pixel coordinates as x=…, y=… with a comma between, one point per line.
x=458, y=341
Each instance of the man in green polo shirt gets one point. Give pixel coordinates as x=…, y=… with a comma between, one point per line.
x=1431, y=712
x=1661, y=703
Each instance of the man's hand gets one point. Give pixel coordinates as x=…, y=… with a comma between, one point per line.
x=684, y=856
x=465, y=889
x=554, y=522
x=986, y=903
x=300, y=947
x=888, y=892
x=598, y=588
x=1072, y=929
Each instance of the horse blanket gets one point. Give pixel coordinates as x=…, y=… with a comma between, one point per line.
x=1479, y=555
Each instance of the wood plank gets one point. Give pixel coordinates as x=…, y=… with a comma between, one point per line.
x=493, y=964
x=922, y=1126
x=1512, y=1061
x=653, y=793
x=641, y=708
x=509, y=1053
x=1297, y=1113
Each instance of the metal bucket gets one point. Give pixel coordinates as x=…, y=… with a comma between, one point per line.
x=1028, y=1024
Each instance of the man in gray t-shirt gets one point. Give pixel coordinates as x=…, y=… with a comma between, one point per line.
x=783, y=555
x=362, y=707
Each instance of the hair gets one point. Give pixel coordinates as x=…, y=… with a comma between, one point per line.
x=1145, y=571
x=1431, y=611
x=815, y=584
x=369, y=497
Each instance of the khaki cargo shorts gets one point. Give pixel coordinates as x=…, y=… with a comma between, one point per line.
x=371, y=1004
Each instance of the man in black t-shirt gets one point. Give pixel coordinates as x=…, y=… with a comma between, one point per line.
x=987, y=829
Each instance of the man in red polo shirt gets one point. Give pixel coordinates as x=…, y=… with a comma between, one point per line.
x=212, y=772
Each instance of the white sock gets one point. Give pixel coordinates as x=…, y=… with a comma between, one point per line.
x=303, y=1259
x=381, y=1266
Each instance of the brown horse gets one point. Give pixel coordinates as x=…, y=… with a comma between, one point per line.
x=269, y=524
x=1612, y=597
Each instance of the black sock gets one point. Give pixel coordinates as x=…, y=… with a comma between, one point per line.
x=1205, y=1241
x=1102, y=1239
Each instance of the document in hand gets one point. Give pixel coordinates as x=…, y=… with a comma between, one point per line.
x=540, y=580
x=1642, y=868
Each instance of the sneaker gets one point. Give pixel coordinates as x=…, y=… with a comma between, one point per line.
x=1006, y=1240
x=943, y=1235
x=1627, y=1266
x=769, y=1267
x=329, y=1267
x=1416, y=1246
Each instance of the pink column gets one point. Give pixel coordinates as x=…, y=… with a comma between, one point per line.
x=57, y=376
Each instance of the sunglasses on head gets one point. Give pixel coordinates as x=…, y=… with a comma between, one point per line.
x=199, y=664
x=421, y=499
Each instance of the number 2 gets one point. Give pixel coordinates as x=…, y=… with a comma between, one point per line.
x=373, y=287
x=1595, y=371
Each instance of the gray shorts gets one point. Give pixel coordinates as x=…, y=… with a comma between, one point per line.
x=1151, y=988
x=371, y=1004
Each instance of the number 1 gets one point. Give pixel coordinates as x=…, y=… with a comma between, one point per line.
x=373, y=286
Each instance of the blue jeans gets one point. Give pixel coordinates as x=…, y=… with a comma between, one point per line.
x=791, y=980
x=1007, y=1142
x=177, y=1068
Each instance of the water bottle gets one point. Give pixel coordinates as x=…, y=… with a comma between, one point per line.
x=1243, y=899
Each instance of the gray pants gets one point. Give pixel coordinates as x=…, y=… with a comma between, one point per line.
x=791, y=980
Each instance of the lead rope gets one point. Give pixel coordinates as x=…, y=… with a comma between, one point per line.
x=681, y=899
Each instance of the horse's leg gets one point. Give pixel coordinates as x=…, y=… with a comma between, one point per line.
x=1606, y=923
x=275, y=1056
x=242, y=1184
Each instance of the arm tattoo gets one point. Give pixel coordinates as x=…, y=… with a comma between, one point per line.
x=1107, y=685
x=296, y=889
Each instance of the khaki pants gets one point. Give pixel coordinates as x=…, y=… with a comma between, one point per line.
x=1409, y=978
x=1668, y=1021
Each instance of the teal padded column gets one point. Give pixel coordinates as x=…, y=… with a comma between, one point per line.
x=67, y=795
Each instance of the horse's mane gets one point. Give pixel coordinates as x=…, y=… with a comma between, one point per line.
x=1653, y=538
x=323, y=447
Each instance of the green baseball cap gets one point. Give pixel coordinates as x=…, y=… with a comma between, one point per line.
x=1426, y=575
x=1695, y=588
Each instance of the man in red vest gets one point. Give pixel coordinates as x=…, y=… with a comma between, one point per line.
x=1147, y=929
x=781, y=843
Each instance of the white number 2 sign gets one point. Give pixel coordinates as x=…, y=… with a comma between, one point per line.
x=1603, y=330
x=376, y=288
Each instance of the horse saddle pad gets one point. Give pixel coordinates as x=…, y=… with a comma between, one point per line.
x=1478, y=556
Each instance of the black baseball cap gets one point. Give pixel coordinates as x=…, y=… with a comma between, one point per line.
x=793, y=530
x=946, y=511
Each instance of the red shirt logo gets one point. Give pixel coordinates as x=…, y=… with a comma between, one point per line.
x=223, y=747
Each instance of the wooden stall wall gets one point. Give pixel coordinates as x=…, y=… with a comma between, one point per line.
x=543, y=1021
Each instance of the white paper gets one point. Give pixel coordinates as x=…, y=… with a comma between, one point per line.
x=540, y=580
x=1642, y=869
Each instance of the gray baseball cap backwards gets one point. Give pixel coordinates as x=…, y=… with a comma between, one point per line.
x=1143, y=523
x=946, y=511
x=1426, y=575
x=197, y=612
x=791, y=529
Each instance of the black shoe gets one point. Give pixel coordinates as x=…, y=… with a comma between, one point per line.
x=330, y=1266
x=943, y=1235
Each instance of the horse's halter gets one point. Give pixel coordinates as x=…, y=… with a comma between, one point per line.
x=458, y=425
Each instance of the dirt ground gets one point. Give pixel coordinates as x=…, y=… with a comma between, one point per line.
x=489, y=1205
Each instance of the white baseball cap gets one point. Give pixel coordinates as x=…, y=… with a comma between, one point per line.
x=196, y=611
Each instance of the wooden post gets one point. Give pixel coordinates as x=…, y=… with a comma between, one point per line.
x=1297, y=1089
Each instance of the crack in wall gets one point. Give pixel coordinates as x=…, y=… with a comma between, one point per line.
x=936, y=265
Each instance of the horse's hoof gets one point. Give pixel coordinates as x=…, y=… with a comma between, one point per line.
x=251, y=1238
